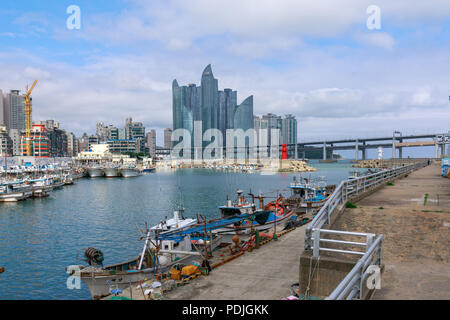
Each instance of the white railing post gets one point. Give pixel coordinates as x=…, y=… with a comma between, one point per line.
x=316, y=247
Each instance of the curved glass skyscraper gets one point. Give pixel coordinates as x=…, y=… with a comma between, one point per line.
x=216, y=109
x=243, y=115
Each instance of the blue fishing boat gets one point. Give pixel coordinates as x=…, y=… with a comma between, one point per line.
x=309, y=194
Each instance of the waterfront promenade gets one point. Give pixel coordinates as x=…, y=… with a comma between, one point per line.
x=415, y=248
x=416, y=234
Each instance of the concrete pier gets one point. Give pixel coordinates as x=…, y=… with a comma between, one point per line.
x=416, y=234
x=263, y=274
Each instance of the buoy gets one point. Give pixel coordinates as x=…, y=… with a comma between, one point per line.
x=236, y=240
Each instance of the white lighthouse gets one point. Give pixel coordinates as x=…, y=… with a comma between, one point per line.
x=380, y=153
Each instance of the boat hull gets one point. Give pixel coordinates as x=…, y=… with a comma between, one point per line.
x=111, y=172
x=127, y=173
x=14, y=197
x=246, y=229
x=97, y=281
x=40, y=193
x=95, y=172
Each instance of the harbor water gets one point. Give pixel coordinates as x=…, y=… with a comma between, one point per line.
x=40, y=237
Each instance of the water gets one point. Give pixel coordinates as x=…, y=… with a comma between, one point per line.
x=40, y=237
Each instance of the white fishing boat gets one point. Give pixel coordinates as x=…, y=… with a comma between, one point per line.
x=129, y=172
x=15, y=191
x=111, y=172
x=95, y=172
x=122, y=275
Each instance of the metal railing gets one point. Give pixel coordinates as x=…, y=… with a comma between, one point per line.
x=317, y=239
x=353, y=285
x=353, y=187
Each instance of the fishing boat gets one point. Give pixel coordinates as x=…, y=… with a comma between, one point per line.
x=15, y=191
x=41, y=187
x=68, y=180
x=156, y=256
x=58, y=181
x=276, y=213
x=129, y=172
x=112, y=172
x=307, y=194
x=95, y=172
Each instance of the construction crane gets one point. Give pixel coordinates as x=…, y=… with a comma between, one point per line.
x=28, y=117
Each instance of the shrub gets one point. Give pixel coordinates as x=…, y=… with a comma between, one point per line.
x=350, y=205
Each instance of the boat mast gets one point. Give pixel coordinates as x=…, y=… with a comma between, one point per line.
x=143, y=250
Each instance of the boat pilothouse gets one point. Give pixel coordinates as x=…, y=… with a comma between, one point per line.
x=239, y=206
x=177, y=222
x=262, y=218
x=307, y=193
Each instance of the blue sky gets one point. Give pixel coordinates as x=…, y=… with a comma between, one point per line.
x=317, y=60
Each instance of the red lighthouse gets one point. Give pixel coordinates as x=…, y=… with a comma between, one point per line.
x=284, y=151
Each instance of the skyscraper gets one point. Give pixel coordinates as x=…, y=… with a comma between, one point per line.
x=210, y=100
x=14, y=113
x=289, y=130
x=227, y=105
x=151, y=142
x=168, y=138
x=243, y=115
x=273, y=122
x=216, y=109
x=2, y=110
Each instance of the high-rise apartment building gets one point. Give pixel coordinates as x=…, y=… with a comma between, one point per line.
x=289, y=130
x=14, y=110
x=151, y=143
x=2, y=110
x=5, y=142
x=72, y=145
x=168, y=138
x=16, y=142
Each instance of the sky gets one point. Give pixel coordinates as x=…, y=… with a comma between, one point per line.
x=318, y=60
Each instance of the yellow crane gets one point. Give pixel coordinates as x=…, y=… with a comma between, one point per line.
x=28, y=117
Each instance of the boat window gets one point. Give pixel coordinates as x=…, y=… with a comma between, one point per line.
x=226, y=212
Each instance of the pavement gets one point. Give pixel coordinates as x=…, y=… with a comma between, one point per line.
x=266, y=273
x=416, y=234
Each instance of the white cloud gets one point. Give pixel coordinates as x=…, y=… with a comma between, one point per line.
x=332, y=89
x=378, y=39
x=179, y=23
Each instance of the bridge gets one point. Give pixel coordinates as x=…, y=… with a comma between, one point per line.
x=397, y=141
